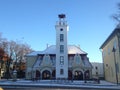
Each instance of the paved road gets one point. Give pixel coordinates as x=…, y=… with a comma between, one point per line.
x=49, y=89
x=45, y=89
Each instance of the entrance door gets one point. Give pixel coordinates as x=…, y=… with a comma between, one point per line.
x=78, y=75
x=46, y=75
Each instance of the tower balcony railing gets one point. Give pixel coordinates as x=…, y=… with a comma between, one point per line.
x=61, y=23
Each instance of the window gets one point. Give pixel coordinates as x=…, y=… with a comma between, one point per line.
x=96, y=73
x=61, y=60
x=46, y=58
x=115, y=44
x=77, y=59
x=106, y=65
x=96, y=67
x=61, y=37
x=61, y=71
x=61, y=48
x=104, y=53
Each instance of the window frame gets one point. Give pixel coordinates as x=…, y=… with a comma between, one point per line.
x=61, y=60
x=61, y=37
x=61, y=71
x=61, y=48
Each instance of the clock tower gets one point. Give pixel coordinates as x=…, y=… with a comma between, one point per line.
x=61, y=47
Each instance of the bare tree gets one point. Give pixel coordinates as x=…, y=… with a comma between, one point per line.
x=117, y=15
x=15, y=51
x=1, y=59
x=4, y=45
x=20, y=51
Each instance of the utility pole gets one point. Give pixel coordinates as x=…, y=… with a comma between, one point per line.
x=114, y=50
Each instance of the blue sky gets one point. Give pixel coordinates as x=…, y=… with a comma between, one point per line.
x=33, y=22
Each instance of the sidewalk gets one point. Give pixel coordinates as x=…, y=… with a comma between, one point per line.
x=61, y=84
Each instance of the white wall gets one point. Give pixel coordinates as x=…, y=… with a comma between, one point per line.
x=97, y=68
x=61, y=24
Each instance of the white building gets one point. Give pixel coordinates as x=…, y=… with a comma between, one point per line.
x=97, y=70
x=60, y=61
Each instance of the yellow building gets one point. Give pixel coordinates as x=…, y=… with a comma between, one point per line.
x=111, y=56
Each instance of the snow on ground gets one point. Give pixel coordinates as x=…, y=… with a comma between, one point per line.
x=54, y=83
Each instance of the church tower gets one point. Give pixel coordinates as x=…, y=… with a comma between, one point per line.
x=61, y=47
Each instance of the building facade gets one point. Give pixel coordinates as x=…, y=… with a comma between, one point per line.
x=97, y=70
x=60, y=61
x=111, y=56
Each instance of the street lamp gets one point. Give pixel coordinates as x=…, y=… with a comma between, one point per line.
x=0, y=65
x=114, y=50
x=14, y=75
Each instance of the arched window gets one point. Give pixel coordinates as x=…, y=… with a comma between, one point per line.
x=77, y=59
x=46, y=59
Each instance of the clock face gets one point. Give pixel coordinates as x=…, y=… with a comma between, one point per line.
x=61, y=29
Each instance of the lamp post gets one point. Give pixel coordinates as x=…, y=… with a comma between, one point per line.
x=0, y=65
x=14, y=75
x=114, y=50
x=85, y=77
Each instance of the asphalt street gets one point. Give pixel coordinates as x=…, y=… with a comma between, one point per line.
x=48, y=85
x=50, y=89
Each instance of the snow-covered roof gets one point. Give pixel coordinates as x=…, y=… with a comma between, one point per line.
x=50, y=50
x=33, y=53
x=87, y=63
x=72, y=49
